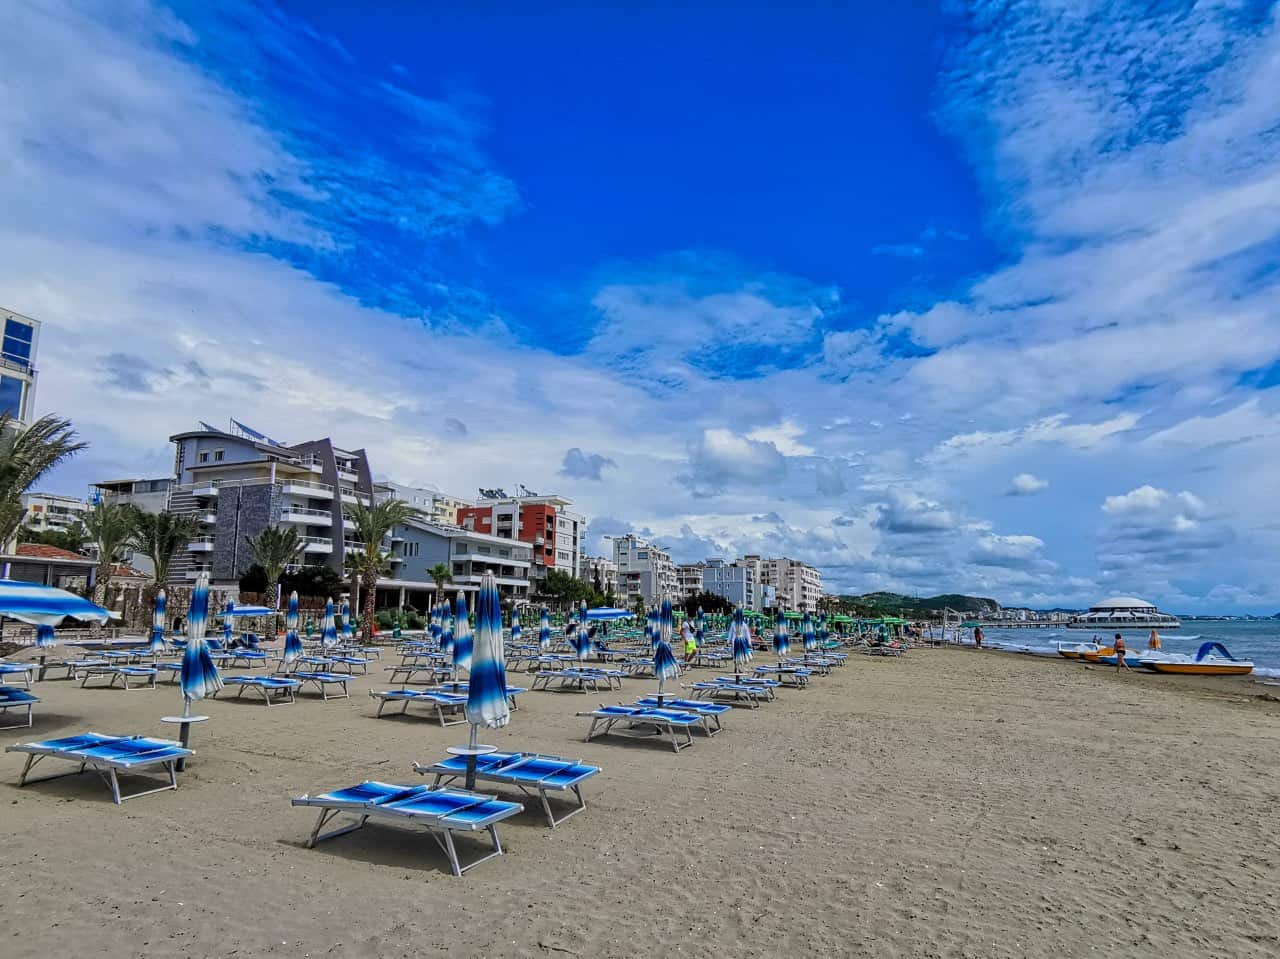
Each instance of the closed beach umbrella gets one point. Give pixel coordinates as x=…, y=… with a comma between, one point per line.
x=328, y=632
x=199, y=677
x=44, y=636
x=446, y=631
x=664, y=665
x=666, y=622
x=348, y=630
x=292, y=644
x=544, y=629
x=433, y=624
x=515, y=624
x=227, y=614
x=157, y=624
x=487, y=688
x=585, y=641
x=741, y=643
x=781, y=644
x=461, y=635
x=809, y=636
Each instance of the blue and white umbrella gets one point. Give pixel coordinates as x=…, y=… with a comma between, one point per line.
x=487, y=687
x=41, y=605
x=227, y=615
x=515, y=624
x=807, y=633
x=328, y=632
x=666, y=622
x=348, y=630
x=544, y=629
x=607, y=613
x=44, y=636
x=652, y=630
x=823, y=634
x=433, y=624
x=664, y=665
x=741, y=642
x=461, y=635
x=781, y=644
x=584, y=641
x=199, y=677
x=446, y=633
x=292, y=644
x=157, y=625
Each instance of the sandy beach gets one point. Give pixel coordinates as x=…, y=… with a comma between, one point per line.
x=948, y=803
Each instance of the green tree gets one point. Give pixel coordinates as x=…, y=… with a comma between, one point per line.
x=26, y=454
x=111, y=527
x=315, y=582
x=440, y=575
x=710, y=603
x=276, y=548
x=160, y=537
x=72, y=538
x=371, y=526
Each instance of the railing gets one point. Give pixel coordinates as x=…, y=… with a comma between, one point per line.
x=252, y=481
x=307, y=484
x=201, y=544
x=305, y=511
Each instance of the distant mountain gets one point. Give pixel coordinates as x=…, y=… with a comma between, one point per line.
x=893, y=604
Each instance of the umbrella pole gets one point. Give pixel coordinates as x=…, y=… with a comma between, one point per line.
x=471, y=761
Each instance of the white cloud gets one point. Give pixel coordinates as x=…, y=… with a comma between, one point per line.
x=1026, y=484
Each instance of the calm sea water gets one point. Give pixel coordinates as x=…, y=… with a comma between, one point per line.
x=1258, y=641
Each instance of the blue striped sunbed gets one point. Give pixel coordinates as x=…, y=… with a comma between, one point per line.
x=407, y=675
x=579, y=679
x=282, y=688
x=638, y=721
x=73, y=667
x=322, y=681
x=18, y=669
x=710, y=712
x=109, y=756
x=449, y=708
x=748, y=694
x=462, y=688
x=122, y=674
x=442, y=812
x=529, y=772
x=11, y=697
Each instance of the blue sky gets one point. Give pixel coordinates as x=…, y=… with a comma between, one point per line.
x=976, y=298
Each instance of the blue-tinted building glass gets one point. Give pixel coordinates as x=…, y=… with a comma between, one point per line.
x=11, y=395
x=17, y=341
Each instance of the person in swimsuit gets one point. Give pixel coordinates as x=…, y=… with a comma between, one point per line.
x=1120, y=651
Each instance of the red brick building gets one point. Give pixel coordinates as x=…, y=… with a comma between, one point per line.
x=545, y=523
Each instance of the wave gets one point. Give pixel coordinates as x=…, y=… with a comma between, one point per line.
x=1268, y=671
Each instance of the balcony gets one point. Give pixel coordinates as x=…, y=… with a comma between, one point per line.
x=208, y=517
x=201, y=544
x=204, y=488
x=351, y=476
x=305, y=516
x=297, y=487
x=351, y=496
x=195, y=572
x=316, y=544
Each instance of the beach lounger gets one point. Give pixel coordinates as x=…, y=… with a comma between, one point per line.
x=123, y=674
x=763, y=682
x=449, y=708
x=580, y=680
x=23, y=670
x=109, y=756
x=11, y=697
x=737, y=693
x=323, y=682
x=282, y=688
x=351, y=663
x=411, y=675
x=167, y=671
x=247, y=658
x=529, y=772
x=710, y=712
x=637, y=721
x=441, y=811
x=73, y=667
x=462, y=688
x=796, y=676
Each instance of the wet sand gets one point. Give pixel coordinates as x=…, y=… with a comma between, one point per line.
x=948, y=803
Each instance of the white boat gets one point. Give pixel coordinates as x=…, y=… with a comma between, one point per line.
x=1076, y=650
x=1211, y=659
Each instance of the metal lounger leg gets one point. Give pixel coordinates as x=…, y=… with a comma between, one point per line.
x=327, y=815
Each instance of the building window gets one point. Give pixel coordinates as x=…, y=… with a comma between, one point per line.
x=217, y=456
x=17, y=342
x=11, y=396
x=204, y=456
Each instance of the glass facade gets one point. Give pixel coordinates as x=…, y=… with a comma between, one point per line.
x=11, y=395
x=17, y=342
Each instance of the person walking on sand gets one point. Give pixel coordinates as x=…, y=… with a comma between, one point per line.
x=977, y=636
x=690, y=642
x=1120, y=650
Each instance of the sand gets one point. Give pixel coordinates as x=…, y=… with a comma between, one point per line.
x=948, y=803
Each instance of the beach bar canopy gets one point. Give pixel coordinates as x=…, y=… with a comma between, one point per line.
x=607, y=613
x=42, y=605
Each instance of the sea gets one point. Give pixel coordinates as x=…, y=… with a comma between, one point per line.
x=1255, y=640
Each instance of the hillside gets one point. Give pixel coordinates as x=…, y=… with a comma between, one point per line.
x=879, y=604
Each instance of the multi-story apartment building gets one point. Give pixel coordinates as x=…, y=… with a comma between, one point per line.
x=688, y=580
x=545, y=523
x=736, y=582
x=798, y=586
x=18, y=365
x=238, y=482
x=149, y=495
x=421, y=544
x=436, y=506
x=644, y=570
x=51, y=512
x=601, y=573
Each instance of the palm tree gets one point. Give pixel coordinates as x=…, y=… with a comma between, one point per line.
x=440, y=575
x=111, y=526
x=371, y=526
x=26, y=454
x=160, y=537
x=275, y=548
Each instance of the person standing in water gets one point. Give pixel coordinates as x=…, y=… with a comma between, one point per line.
x=977, y=636
x=1153, y=641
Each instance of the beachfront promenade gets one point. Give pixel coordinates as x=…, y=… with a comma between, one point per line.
x=950, y=802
